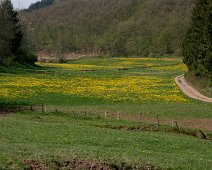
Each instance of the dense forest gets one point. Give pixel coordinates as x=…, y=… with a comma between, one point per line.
x=115, y=27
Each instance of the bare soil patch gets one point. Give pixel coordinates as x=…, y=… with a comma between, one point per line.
x=35, y=165
x=5, y=111
x=79, y=164
x=45, y=56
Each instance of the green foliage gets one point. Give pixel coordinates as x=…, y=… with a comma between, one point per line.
x=12, y=38
x=15, y=43
x=26, y=56
x=125, y=27
x=197, y=45
x=6, y=34
x=10, y=32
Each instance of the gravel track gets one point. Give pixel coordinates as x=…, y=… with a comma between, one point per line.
x=190, y=91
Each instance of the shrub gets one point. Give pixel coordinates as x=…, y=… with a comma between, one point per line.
x=26, y=56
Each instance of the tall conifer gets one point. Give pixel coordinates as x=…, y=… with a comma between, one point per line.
x=7, y=8
x=6, y=34
x=197, y=45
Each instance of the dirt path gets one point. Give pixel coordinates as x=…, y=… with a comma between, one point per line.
x=190, y=91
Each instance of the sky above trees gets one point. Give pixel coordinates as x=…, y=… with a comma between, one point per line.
x=22, y=3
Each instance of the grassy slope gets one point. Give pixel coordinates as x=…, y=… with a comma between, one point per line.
x=191, y=109
x=51, y=138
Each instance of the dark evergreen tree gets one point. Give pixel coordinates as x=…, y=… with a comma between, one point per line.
x=6, y=35
x=11, y=37
x=197, y=45
x=14, y=20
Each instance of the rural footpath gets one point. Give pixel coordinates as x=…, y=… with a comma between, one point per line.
x=190, y=91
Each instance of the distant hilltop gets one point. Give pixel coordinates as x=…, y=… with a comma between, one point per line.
x=40, y=4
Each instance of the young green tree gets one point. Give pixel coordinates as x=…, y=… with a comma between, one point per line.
x=197, y=45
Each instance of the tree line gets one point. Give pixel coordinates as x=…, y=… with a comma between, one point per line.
x=12, y=36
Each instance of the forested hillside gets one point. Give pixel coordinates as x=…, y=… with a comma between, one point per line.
x=119, y=27
x=40, y=4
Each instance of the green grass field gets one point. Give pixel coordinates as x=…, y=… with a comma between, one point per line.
x=129, y=86
x=58, y=138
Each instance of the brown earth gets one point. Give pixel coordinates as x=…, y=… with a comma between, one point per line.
x=45, y=56
x=79, y=164
x=34, y=165
x=5, y=111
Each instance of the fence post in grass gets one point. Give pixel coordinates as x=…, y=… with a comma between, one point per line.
x=98, y=116
x=19, y=108
x=42, y=108
x=140, y=117
x=118, y=115
x=85, y=113
x=114, y=115
x=158, y=121
x=105, y=115
x=178, y=129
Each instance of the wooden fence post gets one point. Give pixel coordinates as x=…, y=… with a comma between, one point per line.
x=73, y=114
x=158, y=121
x=172, y=122
x=140, y=117
x=118, y=116
x=178, y=129
x=19, y=108
x=105, y=115
x=98, y=116
x=42, y=108
x=85, y=113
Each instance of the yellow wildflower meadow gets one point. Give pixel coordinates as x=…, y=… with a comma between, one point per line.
x=128, y=88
